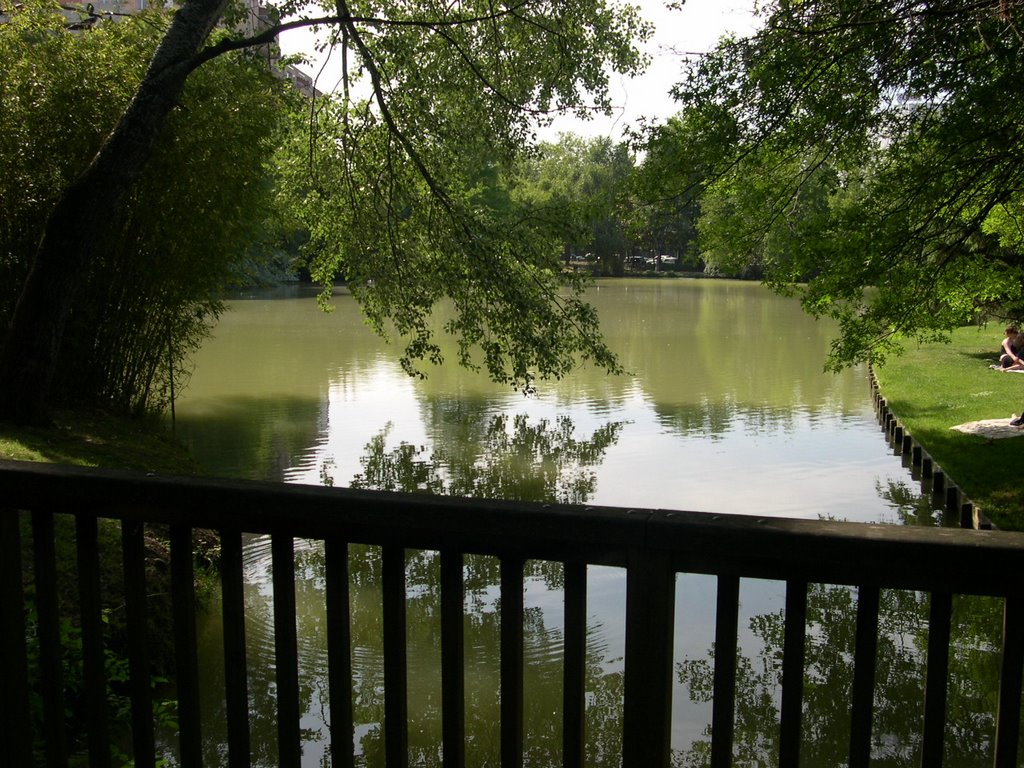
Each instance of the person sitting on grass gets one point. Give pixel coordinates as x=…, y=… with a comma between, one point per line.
x=1012, y=349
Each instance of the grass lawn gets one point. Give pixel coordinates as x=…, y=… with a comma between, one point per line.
x=933, y=387
x=97, y=440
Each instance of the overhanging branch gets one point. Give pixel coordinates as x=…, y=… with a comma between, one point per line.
x=270, y=34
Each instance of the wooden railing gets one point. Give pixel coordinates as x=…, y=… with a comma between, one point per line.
x=652, y=545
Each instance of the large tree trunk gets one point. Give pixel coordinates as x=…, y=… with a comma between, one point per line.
x=77, y=224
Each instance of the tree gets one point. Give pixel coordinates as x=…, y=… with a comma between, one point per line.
x=573, y=187
x=445, y=82
x=735, y=239
x=145, y=298
x=882, y=144
x=679, y=161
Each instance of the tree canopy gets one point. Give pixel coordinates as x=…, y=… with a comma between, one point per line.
x=871, y=157
x=436, y=96
x=405, y=199
x=147, y=296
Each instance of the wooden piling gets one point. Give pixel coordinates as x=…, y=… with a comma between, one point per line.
x=923, y=468
x=952, y=498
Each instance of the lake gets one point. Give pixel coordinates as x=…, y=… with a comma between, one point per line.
x=726, y=408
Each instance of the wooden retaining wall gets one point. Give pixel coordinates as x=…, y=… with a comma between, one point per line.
x=923, y=468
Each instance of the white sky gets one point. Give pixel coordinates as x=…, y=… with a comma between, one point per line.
x=694, y=29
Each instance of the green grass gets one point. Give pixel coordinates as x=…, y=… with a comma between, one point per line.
x=97, y=440
x=937, y=386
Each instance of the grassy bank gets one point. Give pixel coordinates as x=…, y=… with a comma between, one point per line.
x=936, y=386
x=97, y=440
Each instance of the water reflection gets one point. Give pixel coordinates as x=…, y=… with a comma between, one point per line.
x=913, y=506
x=254, y=439
x=727, y=407
x=898, y=714
x=542, y=655
x=494, y=456
x=498, y=457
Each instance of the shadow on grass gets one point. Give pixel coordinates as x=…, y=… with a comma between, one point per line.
x=97, y=439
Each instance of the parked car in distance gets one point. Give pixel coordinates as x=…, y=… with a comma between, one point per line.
x=665, y=259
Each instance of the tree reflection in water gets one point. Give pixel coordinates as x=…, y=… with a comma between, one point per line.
x=828, y=678
x=501, y=457
x=898, y=714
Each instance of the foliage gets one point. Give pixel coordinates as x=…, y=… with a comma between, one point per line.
x=56, y=96
x=116, y=672
x=573, y=187
x=159, y=620
x=679, y=159
x=148, y=298
x=876, y=153
x=403, y=246
x=400, y=183
x=454, y=93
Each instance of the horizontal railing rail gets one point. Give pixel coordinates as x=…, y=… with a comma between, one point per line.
x=653, y=546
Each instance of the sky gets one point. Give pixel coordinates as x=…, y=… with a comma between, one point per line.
x=693, y=29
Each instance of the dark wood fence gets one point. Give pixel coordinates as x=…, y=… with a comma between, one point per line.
x=652, y=545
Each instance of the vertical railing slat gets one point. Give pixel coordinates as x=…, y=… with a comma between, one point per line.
x=94, y=674
x=865, y=653
x=186, y=672
x=647, y=705
x=793, y=653
x=724, y=701
x=50, y=655
x=1012, y=666
x=15, y=719
x=236, y=678
x=574, y=679
x=339, y=652
x=512, y=662
x=453, y=686
x=136, y=623
x=935, y=687
x=286, y=654
x=396, y=696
